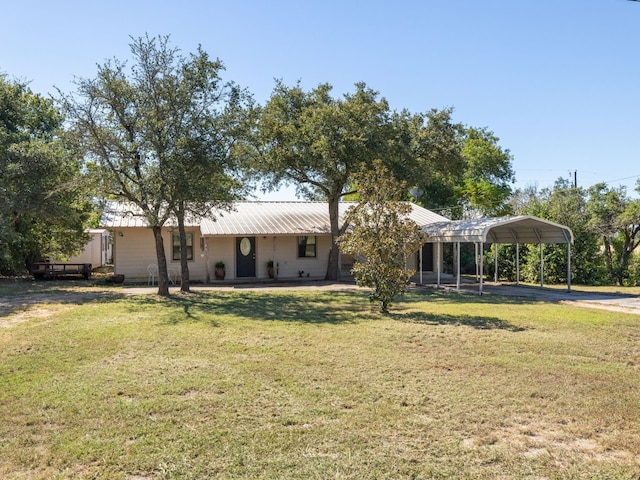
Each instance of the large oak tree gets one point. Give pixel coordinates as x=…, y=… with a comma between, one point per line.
x=151, y=133
x=318, y=142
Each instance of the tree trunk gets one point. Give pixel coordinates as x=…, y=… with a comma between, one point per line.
x=608, y=257
x=334, y=254
x=163, y=277
x=184, y=262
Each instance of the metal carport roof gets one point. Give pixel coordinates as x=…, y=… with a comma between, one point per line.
x=518, y=229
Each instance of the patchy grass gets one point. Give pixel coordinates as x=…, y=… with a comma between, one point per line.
x=286, y=384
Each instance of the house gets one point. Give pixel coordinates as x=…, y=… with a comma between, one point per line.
x=97, y=251
x=294, y=235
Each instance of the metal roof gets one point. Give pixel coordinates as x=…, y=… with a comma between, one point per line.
x=256, y=218
x=519, y=229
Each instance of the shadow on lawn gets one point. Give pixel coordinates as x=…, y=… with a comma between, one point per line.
x=332, y=308
x=480, y=323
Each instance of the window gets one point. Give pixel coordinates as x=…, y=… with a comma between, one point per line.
x=176, y=246
x=306, y=246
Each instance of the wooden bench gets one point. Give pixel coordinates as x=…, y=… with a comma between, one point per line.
x=55, y=270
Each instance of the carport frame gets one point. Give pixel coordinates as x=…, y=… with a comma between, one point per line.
x=521, y=229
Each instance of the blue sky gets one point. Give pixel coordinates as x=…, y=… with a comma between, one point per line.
x=558, y=81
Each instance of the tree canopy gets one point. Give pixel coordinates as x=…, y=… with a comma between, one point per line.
x=153, y=133
x=318, y=143
x=44, y=204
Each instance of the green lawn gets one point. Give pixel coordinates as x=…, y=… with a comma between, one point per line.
x=286, y=384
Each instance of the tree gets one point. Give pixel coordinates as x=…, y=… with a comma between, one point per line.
x=44, y=204
x=436, y=162
x=381, y=236
x=488, y=174
x=146, y=132
x=616, y=218
x=566, y=205
x=460, y=170
x=318, y=143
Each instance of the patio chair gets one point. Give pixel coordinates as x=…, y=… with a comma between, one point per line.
x=152, y=269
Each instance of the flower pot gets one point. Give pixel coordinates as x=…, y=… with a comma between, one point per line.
x=219, y=273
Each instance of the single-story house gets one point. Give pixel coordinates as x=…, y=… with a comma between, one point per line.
x=294, y=235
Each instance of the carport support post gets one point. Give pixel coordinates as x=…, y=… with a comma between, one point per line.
x=517, y=264
x=495, y=261
x=541, y=264
x=481, y=264
x=458, y=264
x=568, y=266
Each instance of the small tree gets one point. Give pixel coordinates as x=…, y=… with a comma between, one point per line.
x=381, y=236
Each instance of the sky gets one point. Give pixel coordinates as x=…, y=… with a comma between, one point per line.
x=558, y=81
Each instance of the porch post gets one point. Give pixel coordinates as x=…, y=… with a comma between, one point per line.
x=421, y=247
x=275, y=257
x=517, y=264
x=481, y=265
x=495, y=255
x=458, y=264
x=438, y=261
x=568, y=266
x=475, y=249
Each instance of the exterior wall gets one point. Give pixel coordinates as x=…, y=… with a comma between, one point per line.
x=282, y=250
x=134, y=251
x=97, y=251
x=289, y=264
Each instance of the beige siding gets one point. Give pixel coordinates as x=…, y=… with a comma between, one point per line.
x=134, y=251
x=221, y=249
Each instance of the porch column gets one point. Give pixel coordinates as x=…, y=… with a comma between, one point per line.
x=458, y=265
x=439, y=262
x=475, y=249
x=495, y=255
x=275, y=257
x=421, y=247
x=481, y=265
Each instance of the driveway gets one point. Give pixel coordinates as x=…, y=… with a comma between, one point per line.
x=608, y=301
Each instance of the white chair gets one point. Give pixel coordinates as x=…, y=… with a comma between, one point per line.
x=152, y=269
x=173, y=275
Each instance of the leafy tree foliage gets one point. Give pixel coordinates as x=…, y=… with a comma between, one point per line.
x=606, y=226
x=487, y=175
x=155, y=136
x=43, y=202
x=381, y=237
x=567, y=205
x=318, y=142
x=460, y=170
x=616, y=219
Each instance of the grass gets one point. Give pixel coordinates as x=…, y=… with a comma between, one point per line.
x=286, y=384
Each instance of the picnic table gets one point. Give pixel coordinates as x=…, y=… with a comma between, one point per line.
x=43, y=270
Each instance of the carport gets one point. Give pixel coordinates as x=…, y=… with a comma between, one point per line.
x=516, y=230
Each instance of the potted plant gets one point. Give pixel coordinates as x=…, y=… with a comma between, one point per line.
x=219, y=271
x=270, y=269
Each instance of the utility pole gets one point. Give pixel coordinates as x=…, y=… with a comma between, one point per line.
x=575, y=179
